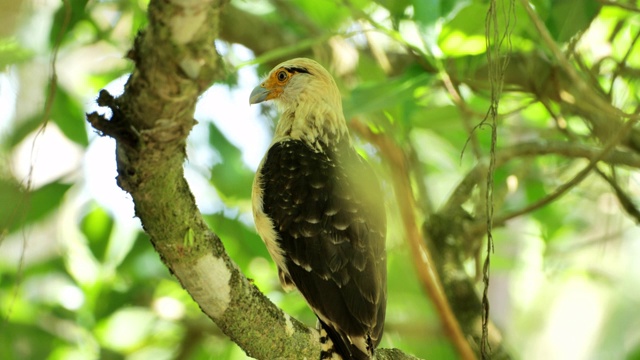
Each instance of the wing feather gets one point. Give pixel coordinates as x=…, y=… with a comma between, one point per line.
x=330, y=222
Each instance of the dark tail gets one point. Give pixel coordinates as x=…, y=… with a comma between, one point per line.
x=332, y=344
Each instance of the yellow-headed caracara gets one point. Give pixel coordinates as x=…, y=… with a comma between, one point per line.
x=318, y=207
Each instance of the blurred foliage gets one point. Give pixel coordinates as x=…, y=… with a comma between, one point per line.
x=80, y=280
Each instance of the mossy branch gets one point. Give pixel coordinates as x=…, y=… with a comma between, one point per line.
x=176, y=61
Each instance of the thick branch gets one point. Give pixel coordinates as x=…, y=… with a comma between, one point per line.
x=175, y=62
x=535, y=148
x=262, y=36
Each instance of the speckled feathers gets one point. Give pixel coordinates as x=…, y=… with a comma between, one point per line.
x=318, y=208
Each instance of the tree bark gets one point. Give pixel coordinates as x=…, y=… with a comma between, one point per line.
x=176, y=61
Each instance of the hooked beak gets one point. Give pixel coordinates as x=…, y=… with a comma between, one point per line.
x=258, y=95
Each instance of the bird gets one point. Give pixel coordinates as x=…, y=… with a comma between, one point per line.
x=319, y=209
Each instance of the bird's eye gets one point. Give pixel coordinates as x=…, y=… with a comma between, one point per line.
x=282, y=75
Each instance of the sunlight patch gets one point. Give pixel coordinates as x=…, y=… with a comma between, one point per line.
x=208, y=282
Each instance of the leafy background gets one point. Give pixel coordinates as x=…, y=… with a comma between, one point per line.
x=79, y=279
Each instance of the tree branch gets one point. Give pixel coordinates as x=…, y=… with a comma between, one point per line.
x=175, y=62
x=535, y=148
x=626, y=202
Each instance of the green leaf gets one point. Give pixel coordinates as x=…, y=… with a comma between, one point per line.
x=383, y=95
x=97, y=226
x=397, y=8
x=68, y=114
x=188, y=238
x=439, y=118
x=427, y=12
x=25, y=341
x=12, y=53
x=634, y=353
x=465, y=33
x=569, y=17
x=142, y=262
x=428, y=15
x=66, y=18
x=22, y=208
x=542, y=7
x=116, y=332
x=21, y=130
x=326, y=13
x=232, y=178
x=45, y=200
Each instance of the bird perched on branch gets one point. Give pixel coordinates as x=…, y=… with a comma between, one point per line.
x=318, y=207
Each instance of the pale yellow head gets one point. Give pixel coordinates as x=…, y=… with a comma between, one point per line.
x=308, y=99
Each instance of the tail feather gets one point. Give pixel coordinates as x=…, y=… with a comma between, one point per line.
x=337, y=346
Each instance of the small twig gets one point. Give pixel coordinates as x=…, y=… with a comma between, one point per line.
x=561, y=190
x=624, y=59
x=421, y=256
x=564, y=249
x=625, y=200
x=561, y=122
x=590, y=100
x=536, y=148
x=539, y=148
x=422, y=197
x=393, y=34
x=457, y=99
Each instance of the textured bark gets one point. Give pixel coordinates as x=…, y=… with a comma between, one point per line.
x=175, y=61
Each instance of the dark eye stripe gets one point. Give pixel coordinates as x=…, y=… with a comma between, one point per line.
x=298, y=70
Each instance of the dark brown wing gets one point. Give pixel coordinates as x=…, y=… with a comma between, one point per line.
x=328, y=212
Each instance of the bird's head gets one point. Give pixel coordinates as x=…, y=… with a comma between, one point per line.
x=308, y=98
